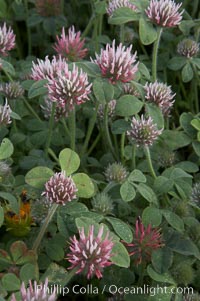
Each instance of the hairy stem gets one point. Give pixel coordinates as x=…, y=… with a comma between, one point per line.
x=51, y=123
x=65, y=127
x=133, y=157
x=155, y=55
x=44, y=227
x=148, y=157
x=106, y=130
x=31, y=110
x=72, y=128
x=89, y=132
x=94, y=144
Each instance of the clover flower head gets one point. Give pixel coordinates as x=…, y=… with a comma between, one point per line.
x=164, y=13
x=195, y=195
x=5, y=169
x=161, y=95
x=145, y=240
x=70, y=46
x=60, y=111
x=116, y=172
x=5, y=114
x=188, y=48
x=111, y=110
x=48, y=8
x=36, y=292
x=45, y=69
x=191, y=297
x=60, y=189
x=167, y=158
x=90, y=254
x=7, y=40
x=130, y=89
x=117, y=64
x=102, y=203
x=40, y=209
x=143, y=132
x=12, y=90
x=115, y=4
x=69, y=88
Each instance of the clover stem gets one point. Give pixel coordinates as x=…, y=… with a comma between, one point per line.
x=72, y=128
x=106, y=129
x=51, y=123
x=44, y=227
x=65, y=127
x=148, y=157
x=94, y=144
x=155, y=55
x=91, y=125
x=133, y=164
x=122, y=33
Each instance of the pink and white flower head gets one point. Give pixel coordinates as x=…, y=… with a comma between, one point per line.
x=117, y=64
x=12, y=90
x=146, y=239
x=115, y=4
x=111, y=110
x=143, y=132
x=60, y=112
x=69, y=87
x=70, y=46
x=60, y=189
x=130, y=89
x=7, y=40
x=5, y=112
x=164, y=13
x=36, y=292
x=161, y=95
x=188, y=48
x=45, y=69
x=90, y=254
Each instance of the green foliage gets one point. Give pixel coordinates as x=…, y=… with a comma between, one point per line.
x=147, y=32
x=127, y=192
x=128, y=105
x=174, y=220
x=123, y=15
x=164, y=277
x=38, y=176
x=7, y=67
x=160, y=190
x=103, y=91
x=187, y=73
x=1, y=216
x=69, y=161
x=162, y=260
x=121, y=229
x=121, y=257
x=84, y=185
x=37, y=89
x=6, y=149
x=152, y=216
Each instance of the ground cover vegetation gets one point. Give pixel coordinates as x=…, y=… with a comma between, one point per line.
x=99, y=150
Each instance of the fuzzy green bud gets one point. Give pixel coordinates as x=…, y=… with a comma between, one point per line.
x=102, y=203
x=183, y=273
